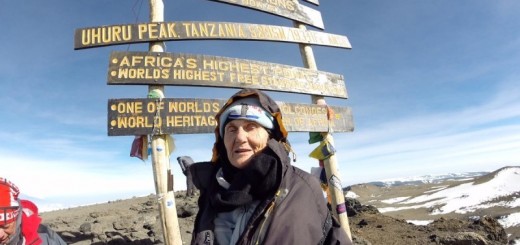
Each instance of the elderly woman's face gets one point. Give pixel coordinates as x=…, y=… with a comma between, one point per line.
x=243, y=139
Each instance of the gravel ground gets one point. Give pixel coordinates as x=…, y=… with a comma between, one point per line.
x=136, y=221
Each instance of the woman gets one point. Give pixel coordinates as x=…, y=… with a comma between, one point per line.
x=250, y=193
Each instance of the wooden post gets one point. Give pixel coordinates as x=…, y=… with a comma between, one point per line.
x=330, y=164
x=160, y=156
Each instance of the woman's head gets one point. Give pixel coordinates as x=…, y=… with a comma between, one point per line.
x=244, y=130
x=243, y=139
x=245, y=124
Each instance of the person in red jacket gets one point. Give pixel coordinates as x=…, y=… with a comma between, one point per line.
x=20, y=223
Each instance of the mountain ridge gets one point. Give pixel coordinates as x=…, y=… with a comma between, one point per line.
x=426, y=179
x=495, y=194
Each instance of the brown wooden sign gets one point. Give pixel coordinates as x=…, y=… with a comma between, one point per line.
x=313, y=118
x=191, y=116
x=154, y=68
x=166, y=116
x=175, y=31
x=286, y=8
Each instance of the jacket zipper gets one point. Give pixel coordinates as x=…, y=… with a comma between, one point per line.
x=266, y=216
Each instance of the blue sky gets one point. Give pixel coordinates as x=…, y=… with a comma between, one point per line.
x=433, y=85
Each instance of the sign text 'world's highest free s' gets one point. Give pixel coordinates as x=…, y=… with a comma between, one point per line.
x=176, y=31
x=286, y=8
x=155, y=68
x=188, y=116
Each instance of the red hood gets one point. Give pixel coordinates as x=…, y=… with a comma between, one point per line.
x=30, y=222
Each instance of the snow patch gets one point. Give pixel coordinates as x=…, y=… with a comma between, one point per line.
x=419, y=222
x=510, y=220
x=351, y=194
x=392, y=209
x=437, y=188
x=394, y=200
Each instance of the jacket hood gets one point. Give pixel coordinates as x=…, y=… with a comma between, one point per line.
x=279, y=133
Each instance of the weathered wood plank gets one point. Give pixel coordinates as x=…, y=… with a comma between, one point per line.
x=315, y=2
x=313, y=118
x=285, y=8
x=192, y=116
x=91, y=37
x=154, y=68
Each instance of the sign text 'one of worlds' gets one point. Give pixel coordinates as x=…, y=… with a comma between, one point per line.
x=188, y=116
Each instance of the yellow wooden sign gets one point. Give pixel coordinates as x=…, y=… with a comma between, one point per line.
x=91, y=37
x=286, y=8
x=154, y=68
x=191, y=116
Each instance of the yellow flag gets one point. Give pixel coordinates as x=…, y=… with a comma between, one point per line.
x=323, y=151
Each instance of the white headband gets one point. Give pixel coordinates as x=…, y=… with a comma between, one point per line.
x=246, y=109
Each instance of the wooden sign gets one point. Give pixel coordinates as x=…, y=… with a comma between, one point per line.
x=154, y=68
x=191, y=116
x=286, y=8
x=167, y=116
x=175, y=31
x=315, y=2
x=313, y=118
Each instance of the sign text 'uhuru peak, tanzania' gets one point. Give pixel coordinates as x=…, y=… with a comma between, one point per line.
x=155, y=68
x=188, y=116
x=286, y=8
x=176, y=31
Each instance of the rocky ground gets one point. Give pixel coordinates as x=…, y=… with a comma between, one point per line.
x=136, y=221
